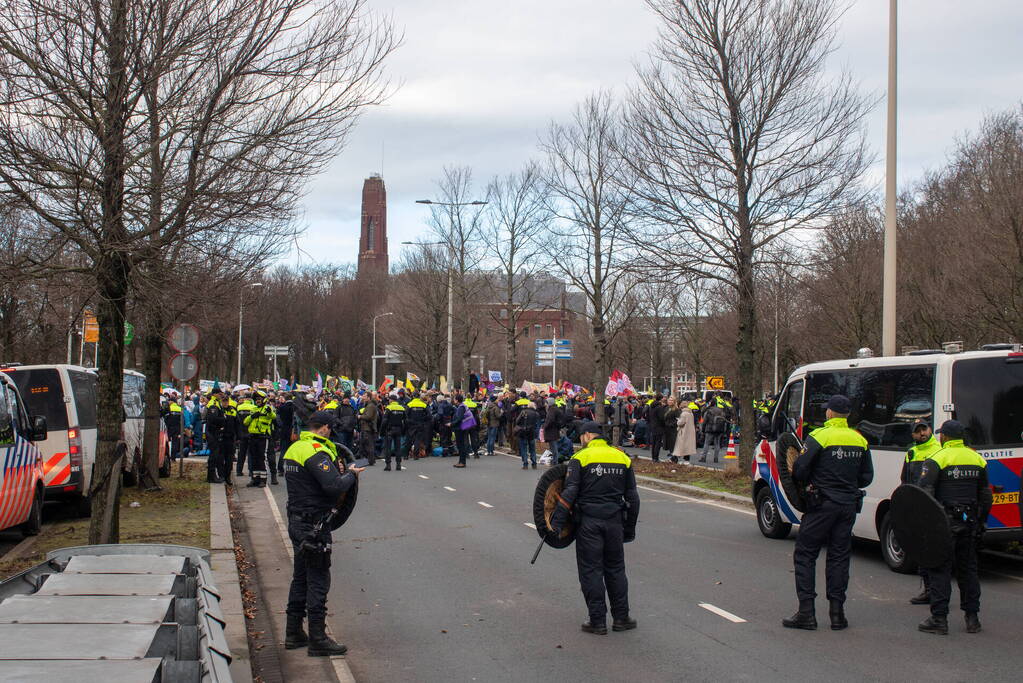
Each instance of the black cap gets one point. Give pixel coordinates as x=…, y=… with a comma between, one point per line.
x=953, y=429
x=591, y=427
x=216, y=390
x=839, y=404
x=920, y=424
x=321, y=418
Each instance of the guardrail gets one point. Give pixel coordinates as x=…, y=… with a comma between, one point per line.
x=114, y=613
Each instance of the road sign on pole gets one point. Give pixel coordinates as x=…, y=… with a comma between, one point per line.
x=183, y=366
x=183, y=338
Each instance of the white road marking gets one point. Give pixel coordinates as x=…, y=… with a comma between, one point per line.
x=1004, y=576
x=722, y=613
x=486, y=505
x=423, y=476
x=701, y=501
x=530, y=525
x=448, y=488
x=280, y=522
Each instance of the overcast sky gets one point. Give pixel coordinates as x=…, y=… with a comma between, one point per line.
x=477, y=81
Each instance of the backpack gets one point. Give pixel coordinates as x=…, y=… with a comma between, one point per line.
x=718, y=425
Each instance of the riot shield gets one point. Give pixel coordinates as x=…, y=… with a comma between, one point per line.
x=921, y=526
x=545, y=498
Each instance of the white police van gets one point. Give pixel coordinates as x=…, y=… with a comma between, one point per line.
x=21, y=467
x=982, y=389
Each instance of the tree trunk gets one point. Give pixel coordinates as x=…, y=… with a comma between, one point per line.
x=152, y=366
x=599, y=368
x=112, y=272
x=749, y=381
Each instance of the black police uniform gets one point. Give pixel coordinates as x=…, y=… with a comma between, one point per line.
x=314, y=486
x=836, y=462
x=392, y=426
x=601, y=485
x=957, y=477
x=418, y=419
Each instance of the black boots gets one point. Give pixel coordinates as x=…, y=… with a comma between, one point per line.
x=935, y=624
x=922, y=599
x=837, y=614
x=804, y=618
x=320, y=644
x=294, y=636
x=626, y=624
x=598, y=629
x=273, y=477
x=387, y=467
x=972, y=623
x=397, y=466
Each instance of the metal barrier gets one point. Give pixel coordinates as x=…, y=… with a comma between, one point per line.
x=108, y=613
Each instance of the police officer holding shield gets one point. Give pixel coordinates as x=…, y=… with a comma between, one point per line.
x=601, y=485
x=925, y=445
x=957, y=478
x=834, y=465
x=315, y=482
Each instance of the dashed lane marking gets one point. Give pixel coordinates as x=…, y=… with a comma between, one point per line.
x=486, y=505
x=448, y=488
x=530, y=525
x=423, y=476
x=722, y=613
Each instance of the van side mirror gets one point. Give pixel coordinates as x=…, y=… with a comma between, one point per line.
x=38, y=428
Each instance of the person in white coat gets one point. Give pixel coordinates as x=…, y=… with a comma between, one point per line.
x=685, y=441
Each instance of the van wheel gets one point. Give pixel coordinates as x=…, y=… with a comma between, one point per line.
x=894, y=555
x=34, y=524
x=769, y=517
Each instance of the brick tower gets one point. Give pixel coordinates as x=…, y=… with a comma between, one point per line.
x=373, y=240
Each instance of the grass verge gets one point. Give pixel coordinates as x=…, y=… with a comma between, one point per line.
x=715, y=480
x=178, y=514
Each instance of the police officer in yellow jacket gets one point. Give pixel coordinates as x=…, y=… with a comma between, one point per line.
x=315, y=482
x=924, y=446
x=834, y=465
x=957, y=477
x=259, y=423
x=601, y=485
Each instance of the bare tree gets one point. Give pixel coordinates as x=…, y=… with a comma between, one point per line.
x=518, y=223
x=740, y=142
x=589, y=197
x=264, y=90
x=419, y=301
x=456, y=218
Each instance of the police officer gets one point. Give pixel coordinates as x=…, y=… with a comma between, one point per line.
x=259, y=423
x=220, y=432
x=957, y=477
x=601, y=484
x=392, y=426
x=925, y=445
x=214, y=425
x=242, y=411
x=835, y=464
x=417, y=418
x=315, y=482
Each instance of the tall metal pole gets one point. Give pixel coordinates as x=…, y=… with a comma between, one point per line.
x=888, y=299
x=451, y=319
x=554, y=358
x=238, y=376
x=373, y=353
x=777, y=305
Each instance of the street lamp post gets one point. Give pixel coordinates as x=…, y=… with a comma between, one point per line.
x=451, y=281
x=374, y=355
x=241, y=304
x=888, y=319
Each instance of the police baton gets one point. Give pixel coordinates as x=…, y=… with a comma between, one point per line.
x=537, y=553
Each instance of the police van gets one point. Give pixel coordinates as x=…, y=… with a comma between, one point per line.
x=21, y=467
x=66, y=396
x=982, y=389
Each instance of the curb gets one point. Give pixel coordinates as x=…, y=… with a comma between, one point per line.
x=699, y=490
x=225, y=573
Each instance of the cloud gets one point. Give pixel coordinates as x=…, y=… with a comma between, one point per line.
x=480, y=80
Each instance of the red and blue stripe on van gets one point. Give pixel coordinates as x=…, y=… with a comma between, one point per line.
x=1004, y=475
x=20, y=473
x=768, y=471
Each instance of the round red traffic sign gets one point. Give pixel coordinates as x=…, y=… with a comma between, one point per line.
x=183, y=366
x=183, y=337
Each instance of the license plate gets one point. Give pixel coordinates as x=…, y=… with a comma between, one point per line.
x=1006, y=498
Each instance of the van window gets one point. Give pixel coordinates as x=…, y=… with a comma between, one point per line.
x=8, y=417
x=885, y=401
x=43, y=394
x=134, y=396
x=83, y=387
x=988, y=398
x=789, y=408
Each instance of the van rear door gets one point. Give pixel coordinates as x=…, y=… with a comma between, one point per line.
x=988, y=397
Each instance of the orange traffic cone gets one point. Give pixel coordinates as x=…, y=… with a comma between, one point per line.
x=730, y=453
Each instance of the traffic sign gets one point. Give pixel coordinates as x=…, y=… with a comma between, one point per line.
x=564, y=355
x=184, y=366
x=183, y=337
x=276, y=350
x=716, y=383
x=544, y=363
x=545, y=342
x=564, y=342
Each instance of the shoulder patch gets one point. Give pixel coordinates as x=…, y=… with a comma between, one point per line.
x=325, y=466
x=316, y=445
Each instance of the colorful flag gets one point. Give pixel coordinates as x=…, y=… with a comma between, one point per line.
x=410, y=379
x=494, y=375
x=388, y=382
x=443, y=384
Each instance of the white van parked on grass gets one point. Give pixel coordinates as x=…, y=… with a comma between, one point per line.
x=982, y=389
x=21, y=466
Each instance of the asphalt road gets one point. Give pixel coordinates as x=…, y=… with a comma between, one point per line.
x=432, y=582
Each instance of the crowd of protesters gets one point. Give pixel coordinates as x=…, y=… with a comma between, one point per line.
x=401, y=425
